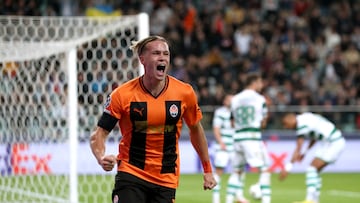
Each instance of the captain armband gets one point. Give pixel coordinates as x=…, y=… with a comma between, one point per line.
x=107, y=121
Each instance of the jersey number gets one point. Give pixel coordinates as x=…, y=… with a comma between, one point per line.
x=246, y=114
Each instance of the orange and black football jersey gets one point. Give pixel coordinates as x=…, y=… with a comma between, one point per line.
x=150, y=128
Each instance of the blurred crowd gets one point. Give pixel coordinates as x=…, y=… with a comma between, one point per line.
x=306, y=50
x=30, y=7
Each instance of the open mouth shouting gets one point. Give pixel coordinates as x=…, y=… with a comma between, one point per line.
x=160, y=68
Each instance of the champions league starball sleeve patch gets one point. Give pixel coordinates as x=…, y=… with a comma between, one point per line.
x=107, y=104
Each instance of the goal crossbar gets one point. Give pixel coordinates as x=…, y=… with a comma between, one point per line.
x=56, y=35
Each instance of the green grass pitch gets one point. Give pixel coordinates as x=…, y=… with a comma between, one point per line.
x=337, y=188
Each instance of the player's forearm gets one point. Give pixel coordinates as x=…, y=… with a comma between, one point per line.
x=294, y=157
x=217, y=135
x=297, y=152
x=311, y=143
x=299, y=144
x=202, y=151
x=97, y=143
x=199, y=142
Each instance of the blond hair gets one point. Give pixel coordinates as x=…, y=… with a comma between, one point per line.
x=139, y=46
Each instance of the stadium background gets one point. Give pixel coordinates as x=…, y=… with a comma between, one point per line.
x=308, y=51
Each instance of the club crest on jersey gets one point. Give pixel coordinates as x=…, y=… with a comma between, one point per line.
x=174, y=110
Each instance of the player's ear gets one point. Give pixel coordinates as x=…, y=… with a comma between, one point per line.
x=141, y=58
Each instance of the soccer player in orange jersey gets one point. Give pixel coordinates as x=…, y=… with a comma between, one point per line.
x=150, y=111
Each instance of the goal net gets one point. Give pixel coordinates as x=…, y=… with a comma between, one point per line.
x=55, y=73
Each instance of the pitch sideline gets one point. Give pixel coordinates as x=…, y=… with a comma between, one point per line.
x=344, y=193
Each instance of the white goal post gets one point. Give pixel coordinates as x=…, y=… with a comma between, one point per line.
x=54, y=75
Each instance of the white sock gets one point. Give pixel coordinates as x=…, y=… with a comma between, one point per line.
x=318, y=190
x=312, y=181
x=235, y=187
x=265, y=187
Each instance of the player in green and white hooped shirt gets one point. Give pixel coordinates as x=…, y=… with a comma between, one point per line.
x=316, y=128
x=249, y=115
x=223, y=134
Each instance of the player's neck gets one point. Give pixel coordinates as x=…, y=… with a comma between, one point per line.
x=253, y=88
x=154, y=87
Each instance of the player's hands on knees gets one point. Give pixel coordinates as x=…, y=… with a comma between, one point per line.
x=283, y=175
x=209, y=181
x=108, y=162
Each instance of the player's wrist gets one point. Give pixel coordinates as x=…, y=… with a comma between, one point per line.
x=207, y=166
x=288, y=166
x=99, y=158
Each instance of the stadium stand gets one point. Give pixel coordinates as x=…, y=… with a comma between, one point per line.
x=307, y=51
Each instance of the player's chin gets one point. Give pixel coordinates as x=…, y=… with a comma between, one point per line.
x=161, y=77
x=160, y=74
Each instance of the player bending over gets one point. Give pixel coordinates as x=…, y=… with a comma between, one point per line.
x=316, y=128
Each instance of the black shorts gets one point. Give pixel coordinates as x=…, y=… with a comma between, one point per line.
x=131, y=189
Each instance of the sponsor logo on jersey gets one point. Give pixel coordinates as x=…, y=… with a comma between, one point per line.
x=139, y=111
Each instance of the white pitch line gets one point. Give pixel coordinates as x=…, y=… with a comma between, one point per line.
x=344, y=193
x=32, y=194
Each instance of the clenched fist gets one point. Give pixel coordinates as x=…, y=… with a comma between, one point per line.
x=108, y=162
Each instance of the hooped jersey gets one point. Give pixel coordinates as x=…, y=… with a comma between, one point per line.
x=248, y=109
x=222, y=120
x=151, y=127
x=316, y=127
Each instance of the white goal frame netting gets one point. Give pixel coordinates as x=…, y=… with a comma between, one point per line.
x=39, y=48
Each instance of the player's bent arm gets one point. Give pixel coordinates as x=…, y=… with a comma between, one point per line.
x=217, y=135
x=297, y=153
x=295, y=157
x=311, y=144
x=97, y=144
